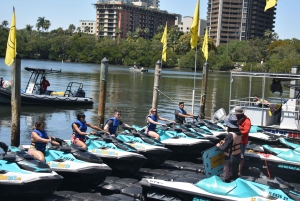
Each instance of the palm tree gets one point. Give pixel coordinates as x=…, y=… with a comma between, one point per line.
x=87, y=29
x=40, y=23
x=4, y=23
x=46, y=25
x=78, y=29
x=139, y=30
x=60, y=31
x=146, y=30
x=160, y=28
x=118, y=32
x=71, y=29
x=29, y=28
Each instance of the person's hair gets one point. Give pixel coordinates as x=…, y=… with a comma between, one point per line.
x=181, y=103
x=150, y=111
x=116, y=111
x=80, y=114
x=235, y=130
x=38, y=124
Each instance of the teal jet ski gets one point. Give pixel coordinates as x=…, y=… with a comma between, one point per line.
x=292, y=146
x=22, y=177
x=155, y=152
x=81, y=170
x=214, y=188
x=280, y=162
x=182, y=146
x=121, y=157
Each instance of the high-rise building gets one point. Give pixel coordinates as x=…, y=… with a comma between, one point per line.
x=186, y=24
x=115, y=18
x=87, y=26
x=229, y=20
x=148, y=3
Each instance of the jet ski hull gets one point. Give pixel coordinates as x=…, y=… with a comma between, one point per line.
x=33, y=189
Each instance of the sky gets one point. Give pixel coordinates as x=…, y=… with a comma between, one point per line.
x=65, y=12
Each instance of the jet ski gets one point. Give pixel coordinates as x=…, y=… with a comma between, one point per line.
x=213, y=188
x=182, y=146
x=122, y=158
x=292, y=146
x=152, y=149
x=22, y=177
x=81, y=170
x=281, y=162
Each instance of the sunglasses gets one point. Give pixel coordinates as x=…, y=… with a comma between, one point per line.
x=154, y=111
x=119, y=114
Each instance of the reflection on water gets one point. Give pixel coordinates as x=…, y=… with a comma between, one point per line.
x=128, y=91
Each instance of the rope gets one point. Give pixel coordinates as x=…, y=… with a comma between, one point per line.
x=166, y=95
x=266, y=162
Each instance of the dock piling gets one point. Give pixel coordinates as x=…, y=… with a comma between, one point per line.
x=157, y=75
x=102, y=94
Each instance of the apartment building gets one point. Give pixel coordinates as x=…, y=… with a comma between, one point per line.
x=229, y=20
x=186, y=24
x=87, y=26
x=117, y=17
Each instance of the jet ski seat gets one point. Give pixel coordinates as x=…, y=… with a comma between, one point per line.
x=215, y=185
x=293, y=146
x=288, y=155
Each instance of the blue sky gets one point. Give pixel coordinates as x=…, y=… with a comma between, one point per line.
x=65, y=12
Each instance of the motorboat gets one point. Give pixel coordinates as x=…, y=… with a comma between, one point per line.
x=138, y=69
x=122, y=158
x=278, y=113
x=74, y=95
x=182, y=146
x=80, y=169
x=155, y=152
x=22, y=177
x=274, y=162
x=214, y=188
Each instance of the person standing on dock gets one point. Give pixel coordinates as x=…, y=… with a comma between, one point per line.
x=181, y=114
x=1, y=82
x=244, y=125
x=112, y=124
x=45, y=84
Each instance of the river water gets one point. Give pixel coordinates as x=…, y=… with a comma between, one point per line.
x=127, y=91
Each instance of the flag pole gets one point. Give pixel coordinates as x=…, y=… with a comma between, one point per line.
x=193, y=98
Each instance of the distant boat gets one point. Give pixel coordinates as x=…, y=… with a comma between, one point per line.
x=34, y=95
x=138, y=69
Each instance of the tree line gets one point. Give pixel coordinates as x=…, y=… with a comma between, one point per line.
x=267, y=54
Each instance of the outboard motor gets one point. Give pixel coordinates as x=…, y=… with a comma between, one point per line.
x=79, y=93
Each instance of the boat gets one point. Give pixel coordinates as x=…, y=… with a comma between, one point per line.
x=25, y=178
x=80, y=169
x=274, y=162
x=74, y=95
x=120, y=157
x=213, y=188
x=280, y=114
x=155, y=152
x=138, y=69
x=182, y=146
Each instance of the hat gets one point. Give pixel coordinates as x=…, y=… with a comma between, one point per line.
x=231, y=121
x=238, y=110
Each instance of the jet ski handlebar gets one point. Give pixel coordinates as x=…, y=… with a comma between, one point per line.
x=4, y=146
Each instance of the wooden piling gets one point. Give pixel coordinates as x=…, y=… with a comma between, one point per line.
x=15, y=101
x=157, y=75
x=203, y=90
x=102, y=94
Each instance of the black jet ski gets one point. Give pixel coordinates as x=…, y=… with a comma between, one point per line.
x=22, y=177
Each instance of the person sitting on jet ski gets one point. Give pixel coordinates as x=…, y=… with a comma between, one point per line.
x=112, y=124
x=181, y=114
x=39, y=140
x=231, y=147
x=79, y=130
x=151, y=120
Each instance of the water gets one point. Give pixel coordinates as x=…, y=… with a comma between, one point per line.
x=128, y=91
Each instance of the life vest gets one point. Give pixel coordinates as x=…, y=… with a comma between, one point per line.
x=41, y=146
x=179, y=119
x=82, y=128
x=113, y=129
x=151, y=126
x=235, y=146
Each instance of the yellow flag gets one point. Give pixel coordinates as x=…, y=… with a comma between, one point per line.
x=164, y=42
x=11, y=48
x=270, y=4
x=194, y=27
x=205, y=45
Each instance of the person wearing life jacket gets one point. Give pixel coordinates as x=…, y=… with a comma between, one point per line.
x=152, y=121
x=181, y=114
x=112, y=124
x=79, y=127
x=231, y=148
x=244, y=125
x=39, y=141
